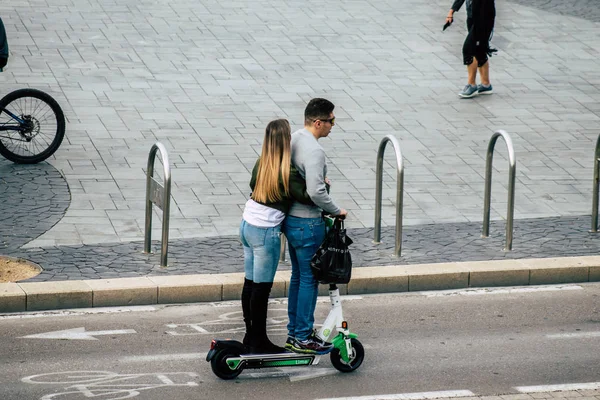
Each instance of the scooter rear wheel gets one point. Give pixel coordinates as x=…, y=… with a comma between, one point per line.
x=220, y=367
x=356, y=358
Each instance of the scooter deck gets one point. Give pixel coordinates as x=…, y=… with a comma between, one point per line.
x=272, y=360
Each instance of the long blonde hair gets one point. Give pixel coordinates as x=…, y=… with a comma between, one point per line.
x=274, y=163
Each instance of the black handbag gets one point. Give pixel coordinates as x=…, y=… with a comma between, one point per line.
x=332, y=263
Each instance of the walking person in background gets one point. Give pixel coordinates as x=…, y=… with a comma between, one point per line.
x=481, y=15
x=3, y=46
x=304, y=226
x=275, y=185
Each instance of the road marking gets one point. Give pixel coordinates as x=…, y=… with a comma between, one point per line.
x=410, y=396
x=283, y=301
x=315, y=373
x=77, y=334
x=275, y=373
x=226, y=304
x=84, y=311
x=105, y=383
x=164, y=357
x=574, y=335
x=484, y=291
x=295, y=375
x=228, y=323
x=559, y=388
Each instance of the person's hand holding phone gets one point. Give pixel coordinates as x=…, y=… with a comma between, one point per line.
x=449, y=19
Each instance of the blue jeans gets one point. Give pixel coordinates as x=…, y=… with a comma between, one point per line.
x=261, y=251
x=304, y=236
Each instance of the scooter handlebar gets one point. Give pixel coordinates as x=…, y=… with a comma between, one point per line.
x=340, y=217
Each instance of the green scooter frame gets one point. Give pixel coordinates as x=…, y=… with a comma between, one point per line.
x=228, y=358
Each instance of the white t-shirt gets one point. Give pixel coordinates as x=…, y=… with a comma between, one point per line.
x=262, y=216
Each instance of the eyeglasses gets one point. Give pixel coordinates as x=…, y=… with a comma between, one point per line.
x=330, y=120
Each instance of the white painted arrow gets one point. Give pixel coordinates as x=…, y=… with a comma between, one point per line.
x=77, y=334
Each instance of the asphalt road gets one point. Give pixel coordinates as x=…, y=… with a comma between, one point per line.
x=484, y=341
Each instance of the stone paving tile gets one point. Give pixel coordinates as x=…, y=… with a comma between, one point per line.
x=586, y=9
x=33, y=199
x=215, y=139
x=435, y=243
x=187, y=256
x=206, y=79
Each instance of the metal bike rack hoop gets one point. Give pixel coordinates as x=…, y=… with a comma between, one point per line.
x=399, y=191
x=512, y=162
x=159, y=194
x=595, y=189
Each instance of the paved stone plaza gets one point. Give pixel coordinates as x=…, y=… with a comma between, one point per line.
x=204, y=78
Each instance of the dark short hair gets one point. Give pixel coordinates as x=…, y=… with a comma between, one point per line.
x=317, y=109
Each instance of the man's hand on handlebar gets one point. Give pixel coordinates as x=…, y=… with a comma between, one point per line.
x=342, y=215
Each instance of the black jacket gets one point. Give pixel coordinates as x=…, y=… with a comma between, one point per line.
x=3, y=45
x=297, y=190
x=484, y=15
x=458, y=4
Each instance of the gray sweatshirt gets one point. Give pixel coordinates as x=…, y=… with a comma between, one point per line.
x=309, y=159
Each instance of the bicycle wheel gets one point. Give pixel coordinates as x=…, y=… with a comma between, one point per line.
x=41, y=124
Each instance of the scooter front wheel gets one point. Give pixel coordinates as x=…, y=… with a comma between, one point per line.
x=355, y=359
x=220, y=366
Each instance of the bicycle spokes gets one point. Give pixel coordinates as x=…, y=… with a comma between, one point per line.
x=31, y=126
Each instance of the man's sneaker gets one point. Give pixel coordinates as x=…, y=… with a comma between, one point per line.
x=316, y=337
x=484, y=89
x=312, y=345
x=469, y=91
x=289, y=343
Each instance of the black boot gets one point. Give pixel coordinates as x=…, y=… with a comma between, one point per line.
x=246, y=310
x=260, y=299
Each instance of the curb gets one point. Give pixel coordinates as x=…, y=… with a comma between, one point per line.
x=38, y=296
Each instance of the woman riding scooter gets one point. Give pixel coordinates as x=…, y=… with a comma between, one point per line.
x=275, y=185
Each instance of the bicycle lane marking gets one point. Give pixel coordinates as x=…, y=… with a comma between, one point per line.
x=232, y=322
x=103, y=383
x=227, y=323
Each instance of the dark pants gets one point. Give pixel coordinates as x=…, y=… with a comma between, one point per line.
x=473, y=48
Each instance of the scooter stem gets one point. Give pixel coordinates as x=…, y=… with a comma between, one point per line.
x=335, y=317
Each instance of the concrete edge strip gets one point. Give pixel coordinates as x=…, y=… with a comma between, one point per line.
x=38, y=296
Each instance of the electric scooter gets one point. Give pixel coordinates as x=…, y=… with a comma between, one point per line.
x=228, y=358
